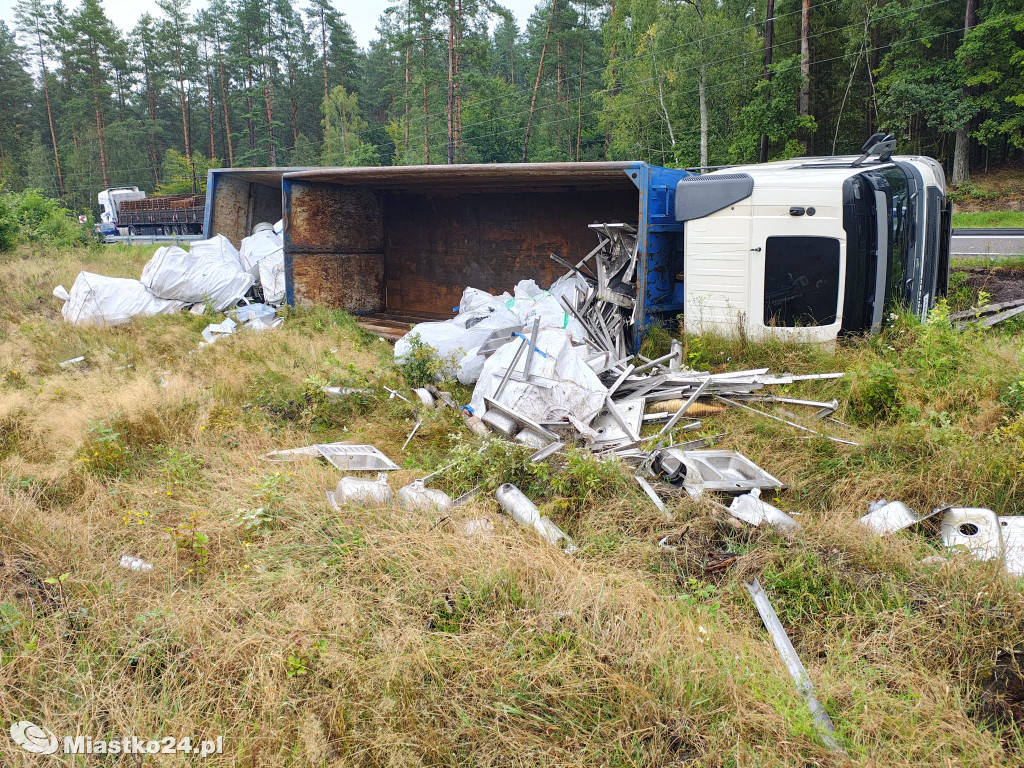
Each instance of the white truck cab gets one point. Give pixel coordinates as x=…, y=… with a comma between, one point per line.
x=811, y=248
x=110, y=201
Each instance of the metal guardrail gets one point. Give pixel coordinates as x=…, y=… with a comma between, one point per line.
x=988, y=232
x=150, y=239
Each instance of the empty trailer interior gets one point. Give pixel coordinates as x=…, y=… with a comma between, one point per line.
x=402, y=243
x=237, y=199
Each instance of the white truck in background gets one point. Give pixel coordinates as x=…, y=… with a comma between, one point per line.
x=128, y=211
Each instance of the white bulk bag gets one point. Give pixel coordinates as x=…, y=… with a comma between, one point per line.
x=217, y=248
x=480, y=315
x=565, y=384
x=103, y=301
x=196, y=277
x=260, y=245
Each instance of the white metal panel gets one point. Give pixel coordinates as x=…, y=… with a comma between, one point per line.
x=717, y=269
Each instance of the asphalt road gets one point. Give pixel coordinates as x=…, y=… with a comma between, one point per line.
x=988, y=242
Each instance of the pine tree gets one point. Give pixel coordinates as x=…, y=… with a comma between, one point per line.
x=35, y=20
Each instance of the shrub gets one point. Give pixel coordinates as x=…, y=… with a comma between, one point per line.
x=1012, y=397
x=8, y=224
x=876, y=396
x=422, y=365
x=30, y=217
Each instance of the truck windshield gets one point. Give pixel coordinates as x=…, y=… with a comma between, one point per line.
x=899, y=214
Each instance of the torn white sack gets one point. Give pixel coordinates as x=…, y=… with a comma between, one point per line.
x=480, y=314
x=562, y=384
x=206, y=275
x=104, y=301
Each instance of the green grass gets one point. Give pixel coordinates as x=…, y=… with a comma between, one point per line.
x=994, y=219
x=376, y=637
x=995, y=263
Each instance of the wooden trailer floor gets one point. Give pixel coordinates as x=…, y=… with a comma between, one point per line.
x=393, y=325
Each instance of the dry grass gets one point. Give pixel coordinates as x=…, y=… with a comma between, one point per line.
x=382, y=639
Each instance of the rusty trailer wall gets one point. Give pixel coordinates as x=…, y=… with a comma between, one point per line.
x=409, y=240
x=237, y=199
x=334, y=247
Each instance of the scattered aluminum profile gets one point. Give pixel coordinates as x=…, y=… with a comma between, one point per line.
x=342, y=455
x=532, y=439
x=752, y=509
x=794, y=666
x=466, y=496
x=887, y=517
x=653, y=496
x=525, y=512
x=547, y=451
x=522, y=421
x=294, y=454
x=395, y=393
x=713, y=470
x=338, y=392
x=73, y=361
x=415, y=427
x=793, y=424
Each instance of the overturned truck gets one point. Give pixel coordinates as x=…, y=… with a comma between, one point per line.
x=808, y=248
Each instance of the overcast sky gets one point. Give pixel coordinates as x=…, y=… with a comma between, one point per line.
x=361, y=14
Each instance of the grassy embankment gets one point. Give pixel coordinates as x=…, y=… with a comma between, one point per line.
x=372, y=637
x=993, y=199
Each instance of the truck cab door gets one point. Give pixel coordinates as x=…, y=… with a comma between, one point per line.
x=797, y=265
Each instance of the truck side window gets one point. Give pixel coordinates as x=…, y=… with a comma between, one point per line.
x=801, y=281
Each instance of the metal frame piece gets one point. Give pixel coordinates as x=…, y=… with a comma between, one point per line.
x=794, y=666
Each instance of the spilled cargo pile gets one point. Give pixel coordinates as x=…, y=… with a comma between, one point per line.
x=211, y=274
x=555, y=366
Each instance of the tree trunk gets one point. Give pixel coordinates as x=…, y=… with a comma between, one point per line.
x=961, y=159
x=294, y=106
x=451, y=105
x=536, y=85
x=209, y=100
x=151, y=102
x=426, y=101
x=664, y=110
x=579, y=104
x=323, y=59
x=458, y=78
x=805, y=69
x=702, y=99
x=408, y=55
x=268, y=98
x=962, y=147
x=224, y=103
x=98, y=107
x=766, y=73
x=49, y=117
x=558, y=98
x=184, y=109
x=248, y=102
